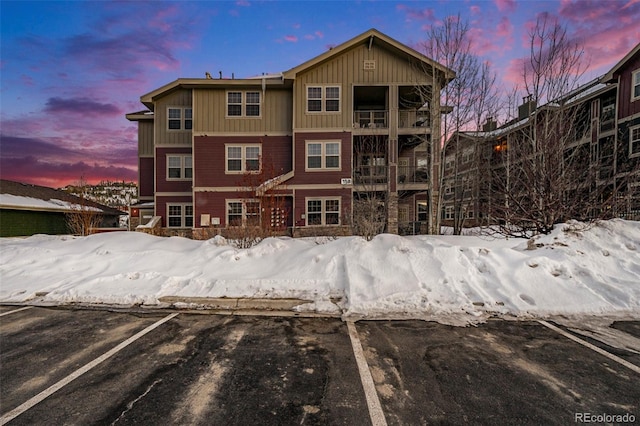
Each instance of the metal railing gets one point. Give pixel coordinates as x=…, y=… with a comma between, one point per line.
x=412, y=118
x=410, y=174
x=371, y=119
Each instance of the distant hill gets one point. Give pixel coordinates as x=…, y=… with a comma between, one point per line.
x=118, y=195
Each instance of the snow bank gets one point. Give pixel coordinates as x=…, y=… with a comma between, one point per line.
x=573, y=271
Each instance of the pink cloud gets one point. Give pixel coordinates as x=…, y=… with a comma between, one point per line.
x=291, y=38
x=505, y=5
x=319, y=34
x=475, y=10
x=243, y=3
x=417, y=14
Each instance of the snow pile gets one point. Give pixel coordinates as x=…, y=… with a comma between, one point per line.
x=573, y=271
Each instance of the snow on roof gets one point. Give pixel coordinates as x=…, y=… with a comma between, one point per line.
x=28, y=203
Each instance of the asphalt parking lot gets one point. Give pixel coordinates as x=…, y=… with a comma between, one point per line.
x=81, y=367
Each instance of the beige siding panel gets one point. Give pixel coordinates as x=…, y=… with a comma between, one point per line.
x=145, y=138
x=348, y=70
x=210, y=113
x=180, y=98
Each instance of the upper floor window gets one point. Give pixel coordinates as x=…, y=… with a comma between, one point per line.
x=634, y=141
x=179, y=118
x=323, y=99
x=243, y=104
x=180, y=215
x=179, y=167
x=242, y=158
x=323, y=155
x=635, y=91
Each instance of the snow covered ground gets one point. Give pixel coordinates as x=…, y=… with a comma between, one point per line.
x=572, y=272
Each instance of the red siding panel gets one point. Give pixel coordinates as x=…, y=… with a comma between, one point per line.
x=145, y=178
x=322, y=177
x=626, y=107
x=209, y=158
x=162, y=184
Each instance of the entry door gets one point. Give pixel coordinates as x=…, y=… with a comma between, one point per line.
x=403, y=169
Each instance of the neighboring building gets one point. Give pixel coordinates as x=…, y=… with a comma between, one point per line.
x=606, y=130
x=211, y=150
x=31, y=209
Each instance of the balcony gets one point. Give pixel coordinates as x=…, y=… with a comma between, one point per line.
x=412, y=119
x=372, y=119
x=408, y=177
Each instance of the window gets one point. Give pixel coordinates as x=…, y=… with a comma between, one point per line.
x=179, y=215
x=243, y=158
x=314, y=99
x=179, y=118
x=634, y=141
x=243, y=104
x=323, y=211
x=243, y=213
x=323, y=155
x=422, y=211
x=179, y=167
x=635, y=91
x=323, y=99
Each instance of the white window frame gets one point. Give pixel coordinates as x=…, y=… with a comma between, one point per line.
x=635, y=84
x=243, y=158
x=323, y=155
x=323, y=98
x=244, y=212
x=633, y=142
x=323, y=210
x=185, y=160
x=183, y=215
x=244, y=103
x=184, y=111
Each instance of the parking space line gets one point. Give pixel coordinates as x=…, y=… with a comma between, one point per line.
x=79, y=372
x=592, y=347
x=373, y=402
x=15, y=310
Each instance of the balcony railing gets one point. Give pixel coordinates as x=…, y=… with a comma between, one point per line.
x=379, y=175
x=407, y=174
x=413, y=118
x=370, y=174
x=371, y=119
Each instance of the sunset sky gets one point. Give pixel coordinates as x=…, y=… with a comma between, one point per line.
x=70, y=71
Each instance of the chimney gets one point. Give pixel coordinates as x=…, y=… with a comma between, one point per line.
x=527, y=108
x=490, y=125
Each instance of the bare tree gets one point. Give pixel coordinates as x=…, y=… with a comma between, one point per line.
x=261, y=209
x=370, y=204
x=472, y=98
x=543, y=174
x=83, y=217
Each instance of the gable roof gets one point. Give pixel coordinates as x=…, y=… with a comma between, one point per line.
x=369, y=37
x=22, y=196
x=612, y=73
x=191, y=83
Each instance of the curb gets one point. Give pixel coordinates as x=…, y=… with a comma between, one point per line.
x=236, y=304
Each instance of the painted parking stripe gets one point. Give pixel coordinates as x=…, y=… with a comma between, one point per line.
x=79, y=372
x=373, y=402
x=592, y=347
x=15, y=310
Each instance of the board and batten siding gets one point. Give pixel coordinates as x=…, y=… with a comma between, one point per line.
x=210, y=112
x=347, y=70
x=145, y=138
x=180, y=98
